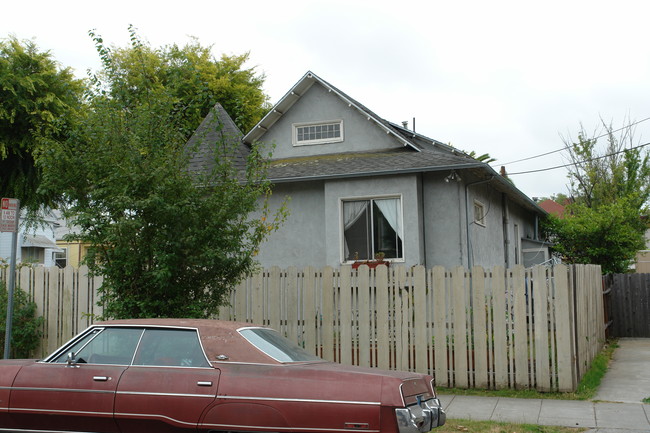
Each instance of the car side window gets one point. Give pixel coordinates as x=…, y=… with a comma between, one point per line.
x=170, y=347
x=105, y=346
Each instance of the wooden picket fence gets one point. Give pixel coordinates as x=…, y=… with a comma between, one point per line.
x=518, y=328
x=66, y=298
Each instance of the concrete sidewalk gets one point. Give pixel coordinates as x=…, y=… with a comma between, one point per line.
x=601, y=417
x=617, y=407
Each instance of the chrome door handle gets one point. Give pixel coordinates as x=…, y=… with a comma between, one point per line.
x=201, y=383
x=100, y=378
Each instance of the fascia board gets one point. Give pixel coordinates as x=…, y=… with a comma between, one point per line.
x=281, y=107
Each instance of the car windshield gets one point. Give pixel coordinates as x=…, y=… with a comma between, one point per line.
x=276, y=346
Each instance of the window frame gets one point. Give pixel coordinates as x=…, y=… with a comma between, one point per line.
x=294, y=133
x=479, y=221
x=371, y=198
x=56, y=257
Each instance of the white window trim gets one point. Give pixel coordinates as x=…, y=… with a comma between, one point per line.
x=294, y=133
x=480, y=222
x=370, y=197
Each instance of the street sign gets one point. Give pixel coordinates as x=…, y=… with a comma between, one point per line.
x=9, y=209
x=9, y=218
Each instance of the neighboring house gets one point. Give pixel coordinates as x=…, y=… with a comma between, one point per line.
x=642, y=265
x=553, y=207
x=72, y=252
x=36, y=245
x=360, y=185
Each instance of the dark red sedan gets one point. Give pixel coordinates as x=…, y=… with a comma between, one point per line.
x=174, y=375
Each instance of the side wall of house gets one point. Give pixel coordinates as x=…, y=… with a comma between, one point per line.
x=301, y=240
x=445, y=206
x=444, y=216
x=528, y=238
x=312, y=234
x=486, y=246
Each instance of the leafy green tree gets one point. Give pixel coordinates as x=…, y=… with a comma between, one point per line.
x=168, y=242
x=192, y=77
x=607, y=236
x=38, y=100
x=609, y=191
x=621, y=170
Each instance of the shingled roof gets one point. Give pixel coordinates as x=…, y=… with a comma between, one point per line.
x=217, y=128
x=418, y=153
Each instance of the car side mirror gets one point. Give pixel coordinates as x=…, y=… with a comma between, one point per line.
x=70, y=360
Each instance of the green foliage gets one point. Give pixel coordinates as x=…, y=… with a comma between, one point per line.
x=609, y=235
x=474, y=426
x=168, y=243
x=191, y=76
x=609, y=196
x=26, y=326
x=620, y=171
x=37, y=100
x=486, y=158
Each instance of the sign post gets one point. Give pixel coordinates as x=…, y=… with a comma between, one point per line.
x=9, y=223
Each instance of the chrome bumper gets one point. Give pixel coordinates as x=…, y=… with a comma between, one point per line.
x=420, y=418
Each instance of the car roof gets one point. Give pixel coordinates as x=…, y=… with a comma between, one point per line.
x=218, y=337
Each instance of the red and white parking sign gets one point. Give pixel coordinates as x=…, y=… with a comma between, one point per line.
x=9, y=219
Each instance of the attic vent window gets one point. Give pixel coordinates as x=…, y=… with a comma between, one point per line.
x=317, y=133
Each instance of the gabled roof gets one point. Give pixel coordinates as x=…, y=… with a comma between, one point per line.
x=403, y=135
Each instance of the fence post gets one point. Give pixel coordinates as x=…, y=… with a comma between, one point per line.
x=479, y=318
x=440, y=329
x=540, y=304
x=460, y=328
x=564, y=318
x=328, y=315
x=421, y=340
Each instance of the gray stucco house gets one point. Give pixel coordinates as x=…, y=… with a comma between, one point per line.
x=360, y=185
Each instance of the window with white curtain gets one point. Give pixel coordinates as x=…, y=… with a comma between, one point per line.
x=372, y=226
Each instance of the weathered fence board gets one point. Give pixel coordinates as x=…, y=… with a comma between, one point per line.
x=519, y=328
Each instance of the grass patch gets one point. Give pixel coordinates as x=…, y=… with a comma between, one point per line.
x=461, y=425
x=646, y=400
x=586, y=388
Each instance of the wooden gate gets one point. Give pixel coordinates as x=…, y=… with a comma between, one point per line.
x=629, y=304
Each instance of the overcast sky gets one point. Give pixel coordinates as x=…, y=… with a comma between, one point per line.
x=508, y=78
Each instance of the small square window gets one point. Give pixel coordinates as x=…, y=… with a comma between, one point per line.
x=479, y=213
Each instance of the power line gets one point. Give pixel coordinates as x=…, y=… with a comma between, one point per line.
x=564, y=148
x=579, y=162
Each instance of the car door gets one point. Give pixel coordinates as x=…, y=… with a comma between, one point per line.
x=168, y=386
x=75, y=391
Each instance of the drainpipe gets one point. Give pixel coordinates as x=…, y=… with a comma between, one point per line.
x=470, y=260
x=423, y=250
x=506, y=224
